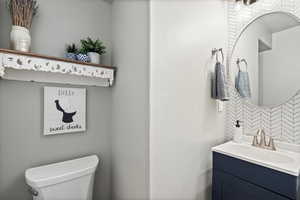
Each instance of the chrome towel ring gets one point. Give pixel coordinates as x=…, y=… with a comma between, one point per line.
x=215, y=52
x=239, y=61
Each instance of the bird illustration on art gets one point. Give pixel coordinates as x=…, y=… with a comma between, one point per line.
x=67, y=117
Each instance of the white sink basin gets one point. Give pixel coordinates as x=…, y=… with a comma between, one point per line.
x=261, y=154
x=281, y=160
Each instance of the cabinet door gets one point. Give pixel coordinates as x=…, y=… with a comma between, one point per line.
x=227, y=187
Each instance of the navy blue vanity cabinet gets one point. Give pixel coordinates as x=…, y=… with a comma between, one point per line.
x=235, y=179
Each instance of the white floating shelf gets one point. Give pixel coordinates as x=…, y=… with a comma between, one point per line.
x=39, y=68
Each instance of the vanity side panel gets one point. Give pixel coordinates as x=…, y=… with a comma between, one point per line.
x=217, y=183
x=270, y=179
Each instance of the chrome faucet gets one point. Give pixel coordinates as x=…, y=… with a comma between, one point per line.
x=263, y=143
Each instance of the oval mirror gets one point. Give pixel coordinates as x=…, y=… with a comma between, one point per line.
x=266, y=60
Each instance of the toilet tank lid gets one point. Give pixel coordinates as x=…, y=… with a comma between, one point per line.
x=60, y=172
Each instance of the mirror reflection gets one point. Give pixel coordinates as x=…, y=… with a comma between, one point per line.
x=265, y=62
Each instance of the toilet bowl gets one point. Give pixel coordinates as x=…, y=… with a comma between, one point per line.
x=69, y=180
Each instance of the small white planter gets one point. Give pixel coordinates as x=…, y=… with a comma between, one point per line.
x=20, y=38
x=94, y=57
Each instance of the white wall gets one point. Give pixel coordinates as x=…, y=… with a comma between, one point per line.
x=130, y=121
x=281, y=67
x=184, y=121
x=247, y=47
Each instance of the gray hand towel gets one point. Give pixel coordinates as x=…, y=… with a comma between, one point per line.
x=242, y=84
x=219, y=89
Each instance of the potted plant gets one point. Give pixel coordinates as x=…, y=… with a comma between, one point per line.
x=82, y=56
x=72, y=51
x=93, y=48
x=22, y=13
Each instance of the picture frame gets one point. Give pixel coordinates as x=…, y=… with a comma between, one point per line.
x=64, y=110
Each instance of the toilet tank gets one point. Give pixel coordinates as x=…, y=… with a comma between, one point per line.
x=69, y=180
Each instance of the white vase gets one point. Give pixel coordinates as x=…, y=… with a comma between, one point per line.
x=20, y=38
x=94, y=57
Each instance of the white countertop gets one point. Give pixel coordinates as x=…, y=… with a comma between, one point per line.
x=282, y=160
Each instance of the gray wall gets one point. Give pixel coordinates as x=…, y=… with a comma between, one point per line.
x=63, y=21
x=130, y=130
x=22, y=144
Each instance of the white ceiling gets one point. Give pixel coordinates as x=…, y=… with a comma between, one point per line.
x=277, y=22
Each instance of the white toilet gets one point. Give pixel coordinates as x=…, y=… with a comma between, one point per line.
x=69, y=180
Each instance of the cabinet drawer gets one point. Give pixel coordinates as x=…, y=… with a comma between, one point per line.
x=272, y=180
x=232, y=188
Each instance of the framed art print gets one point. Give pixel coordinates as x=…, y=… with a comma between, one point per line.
x=64, y=110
